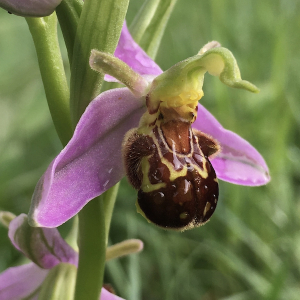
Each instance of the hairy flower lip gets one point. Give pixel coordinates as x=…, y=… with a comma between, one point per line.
x=30, y=8
x=92, y=162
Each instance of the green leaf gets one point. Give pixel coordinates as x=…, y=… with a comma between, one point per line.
x=99, y=28
x=143, y=18
x=153, y=34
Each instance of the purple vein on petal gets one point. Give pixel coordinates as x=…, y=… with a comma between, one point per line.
x=134, y=56
x=91, y=163
x=238, y=162
x=44, y=246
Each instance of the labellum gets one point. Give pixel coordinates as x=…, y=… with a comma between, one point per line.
x=168, y=163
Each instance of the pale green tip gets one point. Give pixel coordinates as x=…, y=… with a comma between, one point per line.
x=124, y=248
x=111, y=65
x=219, y=61
x=6, y=217
x=188, y=75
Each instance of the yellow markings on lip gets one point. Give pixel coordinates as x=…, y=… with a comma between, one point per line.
x=174, y=173
x=147, y=186
x=139, y=210
x=206, y=209
x=183, y=215
x=176, y=169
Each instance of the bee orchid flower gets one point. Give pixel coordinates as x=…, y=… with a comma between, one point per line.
x=163, y=106
x=52, y=268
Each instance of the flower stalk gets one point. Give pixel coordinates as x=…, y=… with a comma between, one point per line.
x=109, y=199
x=44, y=34
x=92, y=251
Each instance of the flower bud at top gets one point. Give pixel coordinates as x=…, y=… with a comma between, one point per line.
x=30, y=8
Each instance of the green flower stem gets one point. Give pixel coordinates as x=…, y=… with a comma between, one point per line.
x=94, y=223
x=44, y=34
x=99, y=28
x=92, y=251
x=68, y=13
x=109, y=199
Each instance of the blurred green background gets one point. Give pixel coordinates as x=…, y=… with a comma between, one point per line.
x=251, y=247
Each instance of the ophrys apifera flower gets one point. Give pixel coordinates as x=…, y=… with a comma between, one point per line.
x=178, y=144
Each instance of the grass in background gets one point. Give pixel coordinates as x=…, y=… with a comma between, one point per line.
x=251, y=247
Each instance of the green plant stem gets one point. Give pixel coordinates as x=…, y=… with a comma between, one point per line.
x=94, y=223
x=92, y=251
x=44, y=34
x=109, y=199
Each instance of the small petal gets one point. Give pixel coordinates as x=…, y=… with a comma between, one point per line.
x=21, y=282
x=30, y=8
x=238, y=162
x=44, y=246
x=91, y=163
x=134, y=56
